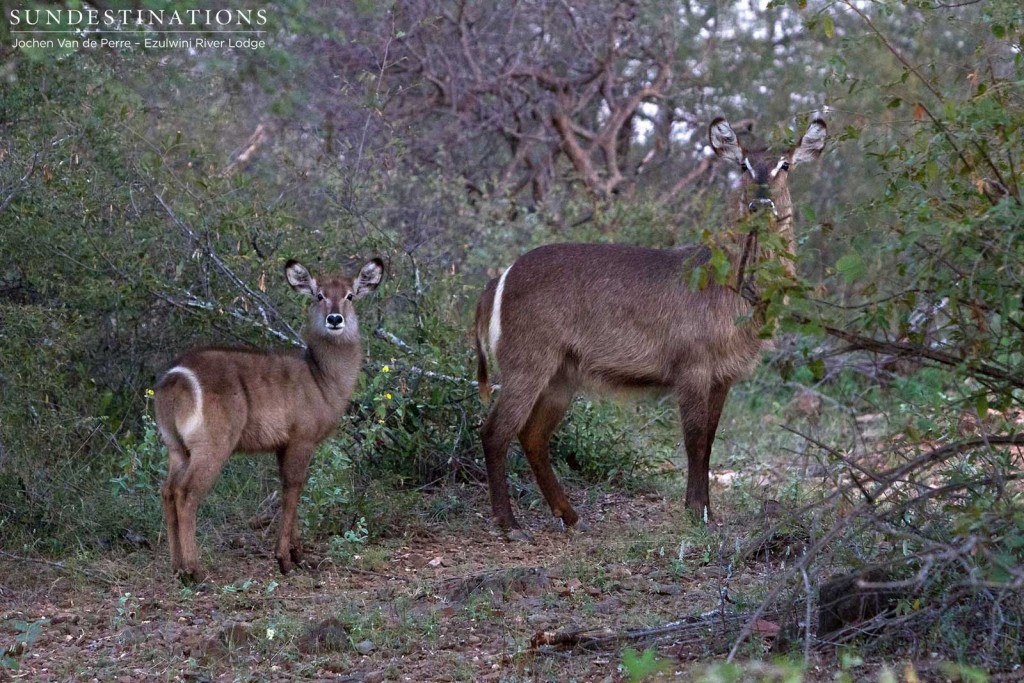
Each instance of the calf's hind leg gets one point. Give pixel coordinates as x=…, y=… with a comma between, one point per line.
x=176, y=465
x=204, y=466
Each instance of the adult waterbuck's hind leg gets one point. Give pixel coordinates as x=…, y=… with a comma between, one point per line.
x=506, y=418
x=535, y=437
x=293, y=464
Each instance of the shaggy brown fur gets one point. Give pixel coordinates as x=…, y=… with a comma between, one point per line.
x=615, y=317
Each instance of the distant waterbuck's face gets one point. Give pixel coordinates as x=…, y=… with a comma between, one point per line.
x=765, y=173
x=332, y=313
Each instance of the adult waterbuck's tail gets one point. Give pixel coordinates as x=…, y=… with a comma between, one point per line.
x=570, y=316
x=481, y=338
x=213, y=402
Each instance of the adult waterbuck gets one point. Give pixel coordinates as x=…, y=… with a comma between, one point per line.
x=568, y=316
x=215, y=401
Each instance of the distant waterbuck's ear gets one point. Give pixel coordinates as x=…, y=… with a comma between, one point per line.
x=723, y=141
x=299, y=278
x=369, y=277
x=810, y=145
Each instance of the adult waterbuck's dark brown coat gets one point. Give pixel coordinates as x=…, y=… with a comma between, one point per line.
x=568, y=316
x=214, y=401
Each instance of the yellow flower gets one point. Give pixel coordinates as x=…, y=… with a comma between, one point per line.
x=386, y=369
x=387, y=396
x=150, y=392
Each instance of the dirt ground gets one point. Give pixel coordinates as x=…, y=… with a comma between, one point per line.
x=450, y=601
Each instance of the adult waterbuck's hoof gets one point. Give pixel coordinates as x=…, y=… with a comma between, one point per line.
x=191, y=578
x=701, y=514
x=580, y=527
x=286, y=564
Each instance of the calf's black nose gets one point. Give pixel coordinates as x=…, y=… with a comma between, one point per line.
x=335, y=320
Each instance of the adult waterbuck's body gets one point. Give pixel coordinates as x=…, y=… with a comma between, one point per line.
x=568, y=316
x=214, y=401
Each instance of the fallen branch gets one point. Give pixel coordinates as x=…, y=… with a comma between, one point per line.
x=590, y=639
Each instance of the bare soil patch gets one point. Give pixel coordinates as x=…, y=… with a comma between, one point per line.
x=452, y=601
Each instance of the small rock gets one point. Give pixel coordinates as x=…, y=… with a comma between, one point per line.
x=766, y=628
x=63, y=618
x=235, y=633
x=375, y=677
x=619, y=572
x=131, y=635
x=327, y=636
x=667, y=589
x=607, y=606
x=713, y=572
x=365, y=647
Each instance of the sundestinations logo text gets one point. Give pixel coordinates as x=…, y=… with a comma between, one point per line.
x=128, y=29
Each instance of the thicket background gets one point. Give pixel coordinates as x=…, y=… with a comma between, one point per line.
x=148, y=201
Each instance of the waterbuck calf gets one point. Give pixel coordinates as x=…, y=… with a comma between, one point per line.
x=213, y=402
x=567, y=316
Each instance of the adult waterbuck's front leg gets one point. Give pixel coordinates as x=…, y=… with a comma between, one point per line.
x=700, y=412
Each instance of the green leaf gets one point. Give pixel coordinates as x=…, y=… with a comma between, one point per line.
x=851, y=267
x=640, y=666
x=829, y=26
x=999, y=31
x=817, y=366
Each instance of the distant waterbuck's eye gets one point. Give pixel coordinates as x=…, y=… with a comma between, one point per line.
x=348, y=296
x=319, y=296
x=785, y=165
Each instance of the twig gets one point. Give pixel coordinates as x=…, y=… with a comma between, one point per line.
x=58, y=565
x=20, y=184
x=381, y=333
x=262, y=303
